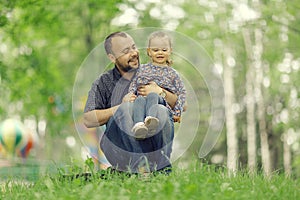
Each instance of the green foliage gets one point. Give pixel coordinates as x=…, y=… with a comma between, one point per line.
x=43, y=54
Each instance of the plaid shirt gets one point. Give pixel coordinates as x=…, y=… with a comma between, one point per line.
x=107, y=91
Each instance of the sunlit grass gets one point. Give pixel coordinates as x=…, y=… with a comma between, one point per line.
x=199, y=181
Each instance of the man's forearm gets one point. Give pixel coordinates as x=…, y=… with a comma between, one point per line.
x=97, y=118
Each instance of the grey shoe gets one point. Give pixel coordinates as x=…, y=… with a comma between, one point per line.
x=152, y=124
x=140, y=131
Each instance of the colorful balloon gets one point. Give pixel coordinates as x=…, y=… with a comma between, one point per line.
x=24, y=152
x=13, y=136
x=2, y=151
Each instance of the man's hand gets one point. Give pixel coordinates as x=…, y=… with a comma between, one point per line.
x=130, y=97
x=144, y=90
x=176, y=119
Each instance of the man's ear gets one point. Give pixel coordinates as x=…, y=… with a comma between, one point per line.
x=112, y=58
x=148, y=50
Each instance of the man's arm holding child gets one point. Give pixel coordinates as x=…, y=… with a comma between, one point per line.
x=95, y=118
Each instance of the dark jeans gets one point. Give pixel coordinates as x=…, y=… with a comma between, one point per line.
x=142, y=106
x=125, y=153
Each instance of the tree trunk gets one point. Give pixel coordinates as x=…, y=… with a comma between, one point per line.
x=232, y=143
x=250, y=104
x=286, y=155
x=265, y=152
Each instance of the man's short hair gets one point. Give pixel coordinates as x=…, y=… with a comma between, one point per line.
x=107, y=43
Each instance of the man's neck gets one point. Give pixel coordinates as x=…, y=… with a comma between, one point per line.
x=127, y=75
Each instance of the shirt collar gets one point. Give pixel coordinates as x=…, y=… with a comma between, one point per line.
x=116, y=73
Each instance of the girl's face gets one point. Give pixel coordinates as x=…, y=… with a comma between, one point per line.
x=159, y=51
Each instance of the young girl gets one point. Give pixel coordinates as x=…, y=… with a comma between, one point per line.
x=160, y=71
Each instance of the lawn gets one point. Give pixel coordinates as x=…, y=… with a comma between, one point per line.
x=199, y=181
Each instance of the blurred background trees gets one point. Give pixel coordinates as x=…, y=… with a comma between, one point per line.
x=253, y=44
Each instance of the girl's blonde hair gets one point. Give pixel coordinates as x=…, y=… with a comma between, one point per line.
x=161, y=34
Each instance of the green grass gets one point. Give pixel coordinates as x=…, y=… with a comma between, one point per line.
x=199, y=181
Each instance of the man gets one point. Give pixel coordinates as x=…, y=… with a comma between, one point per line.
x=110, y=104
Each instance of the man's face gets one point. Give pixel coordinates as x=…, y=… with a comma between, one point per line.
x=125, y=53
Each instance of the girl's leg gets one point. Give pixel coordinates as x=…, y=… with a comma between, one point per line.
x=139, y=129
x=152, y=99
x=139, y=110
x=151, y=121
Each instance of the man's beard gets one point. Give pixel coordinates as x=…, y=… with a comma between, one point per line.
x=126, y=68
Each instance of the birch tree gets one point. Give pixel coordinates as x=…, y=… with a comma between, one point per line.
x=286, y=155
x=265, y=152
x=250, y=103
x=254, y=80
x=232, y=142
